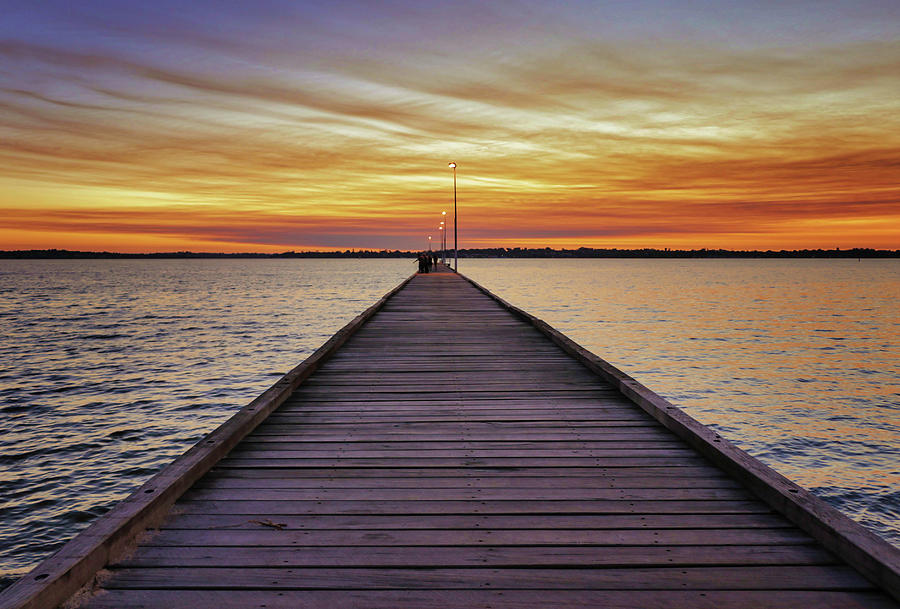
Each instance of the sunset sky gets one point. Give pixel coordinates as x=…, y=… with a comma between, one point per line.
x=288, y=125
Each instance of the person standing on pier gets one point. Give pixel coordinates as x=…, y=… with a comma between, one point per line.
x=423, y=264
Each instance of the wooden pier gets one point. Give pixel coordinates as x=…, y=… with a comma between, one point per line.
x=447, y=450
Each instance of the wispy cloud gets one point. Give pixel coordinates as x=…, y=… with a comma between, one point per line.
x=306, y=137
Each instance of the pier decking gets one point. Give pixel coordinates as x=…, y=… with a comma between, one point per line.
x=452, y=455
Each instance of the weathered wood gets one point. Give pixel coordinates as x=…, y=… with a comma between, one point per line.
x=463, y=494
x=447, y=365
x=474, y=461
x=690, y=578
x=477, y=556
x=313, y=406
x=264, y=443
x=474, y=506
x=486, y=599
x=272, y=434
x=477, y=522
x=475, y=474
x=460, y=429
x=221, y=481
x=637, y=434
x=527, y=416
x=300, y=452
x=268, y=537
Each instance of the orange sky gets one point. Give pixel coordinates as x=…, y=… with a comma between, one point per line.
x=300, y=127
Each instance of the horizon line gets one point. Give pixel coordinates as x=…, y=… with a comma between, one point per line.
x=484, y=252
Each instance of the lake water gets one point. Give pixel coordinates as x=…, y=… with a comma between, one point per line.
x=109, y=369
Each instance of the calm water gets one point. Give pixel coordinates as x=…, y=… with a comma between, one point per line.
x=110, y=369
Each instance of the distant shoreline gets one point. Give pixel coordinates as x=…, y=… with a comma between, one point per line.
x=583, y=252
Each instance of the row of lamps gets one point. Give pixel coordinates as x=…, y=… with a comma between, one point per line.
x=443, y=228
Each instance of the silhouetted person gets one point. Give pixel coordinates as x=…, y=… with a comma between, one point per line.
x=423, y=268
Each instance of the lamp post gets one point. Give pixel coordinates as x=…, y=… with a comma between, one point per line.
x=455, y=245
x=444, y=234
x=429, y=243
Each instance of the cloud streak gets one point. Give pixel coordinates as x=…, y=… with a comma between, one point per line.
x=202, y=137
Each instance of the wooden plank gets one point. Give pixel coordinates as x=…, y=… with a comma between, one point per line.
x=458, y=427
x=695, y=475
x=479, y=522
x=392, y=434
x=479, y=453
x=483, y=351
x=498, y=392
x=485, y=599
x=403, y=377
x=271, y=538
x=448, y=365
x=476, y=556
x=455, y=406
x=473, y=432
x=386, y=481
x=462, y=370
x=445, y=366
x=300, y=441
x=692, y=578
x=328, y=436
x=461, y=428
x=417, y=402
x=384, y=409
x=562, y=493
x=685, y=461
x=425, y=506
x=264, y=443
x=452, y=416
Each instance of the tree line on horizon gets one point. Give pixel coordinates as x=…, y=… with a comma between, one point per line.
x=489, y=252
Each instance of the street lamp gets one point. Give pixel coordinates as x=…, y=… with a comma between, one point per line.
x=455, y=246
x=444, y=242
x=429, y=243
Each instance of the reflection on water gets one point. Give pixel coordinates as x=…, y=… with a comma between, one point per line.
x=794, y=360
x=111, y=368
